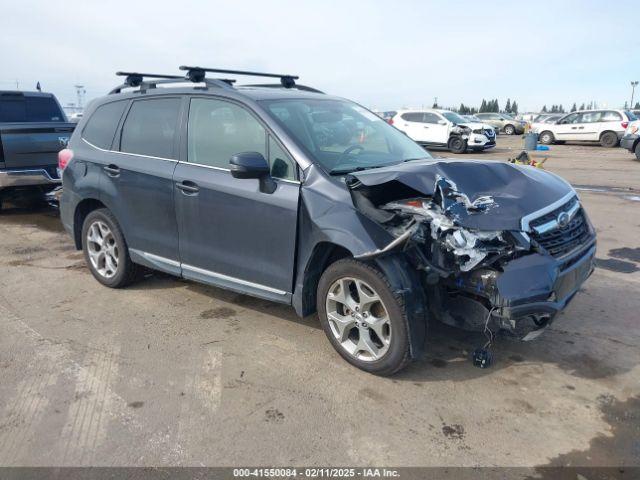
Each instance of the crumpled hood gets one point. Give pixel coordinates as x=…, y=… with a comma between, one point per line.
x=516, y=190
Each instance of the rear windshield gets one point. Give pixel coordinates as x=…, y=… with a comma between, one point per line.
x=20, y=108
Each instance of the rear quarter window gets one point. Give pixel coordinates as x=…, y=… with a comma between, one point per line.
x=101, y=126
x=412, y=117
x=610, y=116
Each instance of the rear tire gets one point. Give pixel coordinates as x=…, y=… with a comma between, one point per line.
x=105, y=250
x=609, y=139
x=510, y=130
x=546, y=138
x=457, y=145
x=637, y=151
x=369, y=334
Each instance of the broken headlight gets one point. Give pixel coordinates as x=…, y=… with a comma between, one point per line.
x=459, y=246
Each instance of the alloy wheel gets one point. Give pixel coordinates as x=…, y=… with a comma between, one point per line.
x=102, y=249
x=358, y=319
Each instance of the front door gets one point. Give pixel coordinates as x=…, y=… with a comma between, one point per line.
x=437, y=128
x=568, y=128
x=232, y=234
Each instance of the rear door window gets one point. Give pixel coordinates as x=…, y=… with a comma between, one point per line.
x=412, y=117
x=101, y=126
x=150, y=127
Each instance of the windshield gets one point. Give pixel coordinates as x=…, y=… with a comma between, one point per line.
x=342, y=136
x=453, y=117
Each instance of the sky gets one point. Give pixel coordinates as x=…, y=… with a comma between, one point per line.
x=383, y=54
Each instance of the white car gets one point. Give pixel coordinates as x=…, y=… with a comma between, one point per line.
x=603, y=126
x=445, y=129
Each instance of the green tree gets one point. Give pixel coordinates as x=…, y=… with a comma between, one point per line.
x=582, y=106
x=636, y=106
x=544, y=109
x=483, y=106
x=507, y=107
x=514, y=108
x=574, y=107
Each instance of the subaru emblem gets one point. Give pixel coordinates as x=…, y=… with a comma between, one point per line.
x=563, y=219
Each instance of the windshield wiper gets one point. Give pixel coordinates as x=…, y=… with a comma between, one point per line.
x=342, y=171
x=413, y=159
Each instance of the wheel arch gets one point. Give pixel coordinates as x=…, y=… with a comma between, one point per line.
x=84, y=208
x=324, y=253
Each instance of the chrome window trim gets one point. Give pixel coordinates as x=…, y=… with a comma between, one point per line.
x=527, y=219
x=296, y=182
x=126, y=153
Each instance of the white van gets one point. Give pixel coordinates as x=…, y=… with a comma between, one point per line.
x=603, y=126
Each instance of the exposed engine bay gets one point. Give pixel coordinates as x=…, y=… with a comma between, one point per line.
x=481, y=271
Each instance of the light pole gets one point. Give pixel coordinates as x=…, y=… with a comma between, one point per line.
x=634, y=84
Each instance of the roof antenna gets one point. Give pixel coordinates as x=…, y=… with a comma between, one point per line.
x=38, y=87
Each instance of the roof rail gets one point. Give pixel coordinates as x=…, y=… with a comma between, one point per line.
x=136, y=79
x=198, y=74
x=297, y=86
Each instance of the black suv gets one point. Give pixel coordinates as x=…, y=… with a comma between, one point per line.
x=291, y=195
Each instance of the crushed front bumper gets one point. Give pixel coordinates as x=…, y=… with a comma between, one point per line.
x=28, y=177
x=526, y=295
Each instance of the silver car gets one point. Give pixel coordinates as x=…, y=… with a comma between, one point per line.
x=503, y=122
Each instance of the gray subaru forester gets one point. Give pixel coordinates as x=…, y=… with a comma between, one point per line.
x=285, y=193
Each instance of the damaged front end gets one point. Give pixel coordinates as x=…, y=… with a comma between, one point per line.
x=480, y=268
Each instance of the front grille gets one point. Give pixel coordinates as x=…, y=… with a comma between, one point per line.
x=561, y=241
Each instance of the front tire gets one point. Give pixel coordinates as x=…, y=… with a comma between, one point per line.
x=457, y=145
x=546, y=138
x=609, y=139
x=510, y=130
x=363, y=318
x=637, y=151
x=105, y=250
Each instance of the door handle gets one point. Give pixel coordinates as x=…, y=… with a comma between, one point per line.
x=112, y=170
x=574, y=128
x=425, y=126
x=187, y=187
x=580, y=128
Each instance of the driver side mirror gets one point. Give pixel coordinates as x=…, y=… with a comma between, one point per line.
x=253, y=165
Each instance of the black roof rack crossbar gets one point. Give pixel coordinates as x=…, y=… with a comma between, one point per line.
x=198, y=73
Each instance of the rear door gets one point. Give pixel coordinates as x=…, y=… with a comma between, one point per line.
x=232, y=234
x=137, y=180
x=411, y=123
